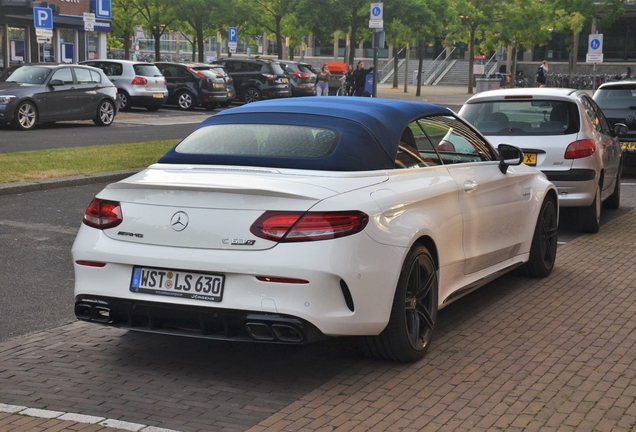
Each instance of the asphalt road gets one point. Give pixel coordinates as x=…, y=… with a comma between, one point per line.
x=133, y=126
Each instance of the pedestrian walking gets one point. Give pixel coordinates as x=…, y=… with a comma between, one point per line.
x=322, y=81
x=542, y=73
x=359, y=78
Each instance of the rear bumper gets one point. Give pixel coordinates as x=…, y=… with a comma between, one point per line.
x=145, y=101
x=576, y=187
x=193, y=321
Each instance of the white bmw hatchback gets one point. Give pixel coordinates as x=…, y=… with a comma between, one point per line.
x=565, y=134
x=289, y=221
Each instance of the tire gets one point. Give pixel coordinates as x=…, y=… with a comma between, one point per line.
x=123, y=99
x=26, y=116
x=613, y=202
x=544, y=243
x=340, y=92
x=251, y=94
x=185, y=101
x=105, y=113
x=591, y=216
x=409, y=332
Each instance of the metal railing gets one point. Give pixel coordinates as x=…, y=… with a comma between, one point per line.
x=389, y=65
x=431, y=76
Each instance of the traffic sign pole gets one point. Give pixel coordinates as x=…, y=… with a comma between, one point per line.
x=376, y=21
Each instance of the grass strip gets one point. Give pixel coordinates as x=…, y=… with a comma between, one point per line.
x=65, y=162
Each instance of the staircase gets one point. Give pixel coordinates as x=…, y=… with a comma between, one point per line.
x=456, y=75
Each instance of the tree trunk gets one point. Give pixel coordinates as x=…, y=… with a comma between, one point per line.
x=406, y=68
x=127, y=44
x=420, y=58
x=157, y=35
x=279, y=39
x=574, y=53
x=354, y=37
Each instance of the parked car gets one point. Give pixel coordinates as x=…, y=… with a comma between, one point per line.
x=257, y=78
x=301, y=76
x=139, y=84
x=618, y=102
x=288, y=221
x=192, y=85
x=46, y=93
x=565, y=134
x=228, y=79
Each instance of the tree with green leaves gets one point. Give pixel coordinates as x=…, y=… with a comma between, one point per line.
x=156, y=17
x=572, y=16
x=124, y=22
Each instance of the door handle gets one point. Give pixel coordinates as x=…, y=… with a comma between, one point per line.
x=470, y=185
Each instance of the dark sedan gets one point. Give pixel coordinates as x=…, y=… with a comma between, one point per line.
x=46, y=93
x=618, y=102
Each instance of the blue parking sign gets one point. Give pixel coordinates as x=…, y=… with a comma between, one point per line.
x=232, y=35
x=43, y=17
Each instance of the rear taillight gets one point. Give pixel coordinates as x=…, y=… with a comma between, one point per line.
x=285, y=227
x=302, y=75
x=102, y=214
x=580, y=149
x=269, y=77
x=165, y=81
x=197, y=73
x=140, y=81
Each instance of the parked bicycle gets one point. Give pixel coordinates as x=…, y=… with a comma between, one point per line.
x=344, y=90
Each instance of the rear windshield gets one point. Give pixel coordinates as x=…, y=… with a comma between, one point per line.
x=307, y=69
x=523, y=117
x=277, y=69
x=616, y=98
x=146, y=70
x=207, y=72
x=260, y=140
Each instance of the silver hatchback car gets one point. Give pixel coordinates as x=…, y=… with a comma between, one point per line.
x=139, y=84
x=563, y=133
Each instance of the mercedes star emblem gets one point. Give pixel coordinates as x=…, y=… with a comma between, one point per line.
x=179, y=221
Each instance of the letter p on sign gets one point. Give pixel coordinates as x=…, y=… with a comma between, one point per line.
x=43, y=17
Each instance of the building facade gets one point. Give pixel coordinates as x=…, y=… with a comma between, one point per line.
x=24, y=38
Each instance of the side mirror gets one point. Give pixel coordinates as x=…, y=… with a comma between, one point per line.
x=56, y=82
x=509, y=155
x=620, y=129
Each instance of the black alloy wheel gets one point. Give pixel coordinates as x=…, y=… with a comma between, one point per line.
x=409, y=332
x=251, y=94
x=544, y=243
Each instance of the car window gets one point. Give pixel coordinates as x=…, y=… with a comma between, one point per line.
x=65, y=75
x=523, y=117
x=96, y=77
x=602, y=120
x=26, y=75
x=111, y=69
x=306, y=68
x=592, y=114
x=83, y=76
x=255, y=67
x=616, y=98
x=276, y=69
x=208, y=73
x=169, y=71
x=260, y=140
x=237, y=67
x=146, y=70
x=415, y=148
x=454, y=141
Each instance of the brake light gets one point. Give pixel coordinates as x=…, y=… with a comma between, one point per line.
x=580, y=149
x=197, y=73
x=285, y=227
x=302, y=75
x=165, y=81
x=269, y=77
x=102, y=214
x=91, y=263
x=140, y=81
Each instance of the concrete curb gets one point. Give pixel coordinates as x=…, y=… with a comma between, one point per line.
x=62, y=182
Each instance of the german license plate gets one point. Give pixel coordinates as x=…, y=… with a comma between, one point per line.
x=177, y=283
x=628, y=145
x=530, y=159
x=285, y=80
x=157, y=95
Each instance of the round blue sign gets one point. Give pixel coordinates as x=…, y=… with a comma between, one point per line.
x=376, y=11
x=595, y=44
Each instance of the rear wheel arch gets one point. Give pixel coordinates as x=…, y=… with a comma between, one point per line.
x=429, y=244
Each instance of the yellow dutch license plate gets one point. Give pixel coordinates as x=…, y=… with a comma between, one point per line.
x=530, y=159
x=628, y=145
x=158, y=95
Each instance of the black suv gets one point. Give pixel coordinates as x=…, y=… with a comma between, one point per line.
x=192, y=85
x=256, y=78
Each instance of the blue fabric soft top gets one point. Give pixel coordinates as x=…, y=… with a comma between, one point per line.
x=369, y=130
